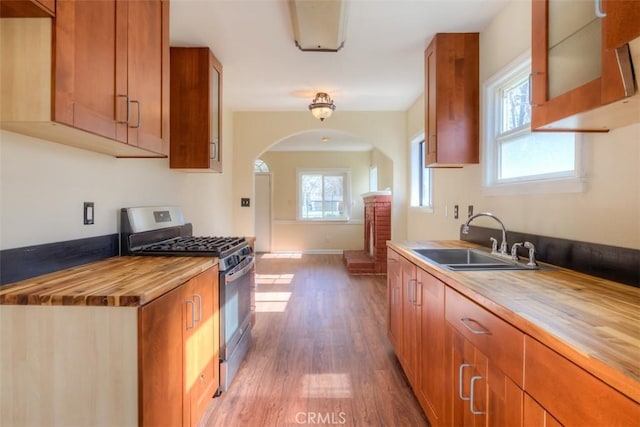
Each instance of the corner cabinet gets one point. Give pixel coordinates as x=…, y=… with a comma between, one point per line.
x=95, y=78
x=196, y=100
x=452, y=100
x=582, y=76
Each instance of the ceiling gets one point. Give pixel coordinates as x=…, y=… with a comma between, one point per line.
x=380, y=67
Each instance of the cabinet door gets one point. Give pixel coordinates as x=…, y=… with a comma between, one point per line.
x=147, y=74
x=394, y=301
x=410, y=321
x=161, y=360
x=622, y=23
x=432, y=355
x=535, y=415
x=468, y=382
x=452, y=100
x=504, y=400
x=201, y=354
x=85, y=89
x=572, y=71
x=196, y=93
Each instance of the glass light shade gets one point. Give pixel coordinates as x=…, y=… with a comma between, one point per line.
x=322, y=106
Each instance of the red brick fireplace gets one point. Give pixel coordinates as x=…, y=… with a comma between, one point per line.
x=377, y=230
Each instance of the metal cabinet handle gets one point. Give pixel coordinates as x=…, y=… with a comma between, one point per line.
x=598, y=9
x=466, y=320
x=473, y=382
x=126, y=97
x=137, y=125
x=418, y=301
x=412, y=295
x=199, y=297
x=460, y=375
x=193, y=309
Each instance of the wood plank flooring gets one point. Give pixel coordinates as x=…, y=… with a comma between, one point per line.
x=320, y=355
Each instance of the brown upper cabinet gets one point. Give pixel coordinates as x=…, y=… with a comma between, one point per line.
x=196, y=100
x=622, y=23
x=579, y=82
x=452, y=100
x=96, y=78
x=27, y=8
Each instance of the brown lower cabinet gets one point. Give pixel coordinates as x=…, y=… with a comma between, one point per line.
x=179, y=368
x=472, y=368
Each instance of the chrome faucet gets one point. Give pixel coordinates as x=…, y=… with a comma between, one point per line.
x=503, y=244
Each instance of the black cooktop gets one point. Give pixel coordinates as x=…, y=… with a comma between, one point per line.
x=194, y=246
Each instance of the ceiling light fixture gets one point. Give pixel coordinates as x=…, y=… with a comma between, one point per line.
x=322, y=106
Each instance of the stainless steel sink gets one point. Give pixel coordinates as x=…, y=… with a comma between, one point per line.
x=469, y=260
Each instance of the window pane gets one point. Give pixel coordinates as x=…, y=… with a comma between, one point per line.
x=323, y=196
x=537, y=154
x=311, y=189
x=516, y=111
x=333, y=197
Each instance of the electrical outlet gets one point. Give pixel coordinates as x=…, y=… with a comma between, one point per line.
x=245, y=202
x=88, y=213
x=455, y=211
x=469, y=211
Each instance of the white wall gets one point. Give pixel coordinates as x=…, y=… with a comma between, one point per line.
x=255, y=132
x=608, y=212
x=44, y=184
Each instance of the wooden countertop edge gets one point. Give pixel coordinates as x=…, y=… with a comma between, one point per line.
x=22, y=293
x=609, y=374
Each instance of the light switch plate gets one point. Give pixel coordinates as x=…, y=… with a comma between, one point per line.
x=88, y=213
x=245, y=202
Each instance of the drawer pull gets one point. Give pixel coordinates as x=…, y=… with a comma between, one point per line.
x=193, y=314
x=460, y=377
x=473, y=382
x=466, y=322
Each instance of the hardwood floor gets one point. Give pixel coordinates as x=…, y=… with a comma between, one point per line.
x=320, y=355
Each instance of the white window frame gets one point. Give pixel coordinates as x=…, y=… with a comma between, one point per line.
x=346, y=191
x=420, y=176
x=538, y=184
x=373, y=178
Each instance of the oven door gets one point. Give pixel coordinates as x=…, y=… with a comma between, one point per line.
x=235, y=305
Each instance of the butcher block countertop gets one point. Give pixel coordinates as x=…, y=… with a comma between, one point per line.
x=591, y=321
x=126, y=281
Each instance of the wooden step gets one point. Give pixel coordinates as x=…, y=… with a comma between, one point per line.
x=359, y=262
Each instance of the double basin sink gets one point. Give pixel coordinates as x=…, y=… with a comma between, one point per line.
x=470, y=260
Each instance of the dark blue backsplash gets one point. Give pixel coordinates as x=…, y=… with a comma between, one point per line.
x=608, y=262
x=29, y=261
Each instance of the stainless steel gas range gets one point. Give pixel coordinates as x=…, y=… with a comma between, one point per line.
x=162, y=231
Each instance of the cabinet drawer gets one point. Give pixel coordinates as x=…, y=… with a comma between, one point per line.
x=572, y=395
x=499, y=341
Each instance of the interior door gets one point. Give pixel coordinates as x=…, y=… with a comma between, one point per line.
x=263, y=212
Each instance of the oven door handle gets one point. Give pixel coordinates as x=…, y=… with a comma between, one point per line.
x=237, y=274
